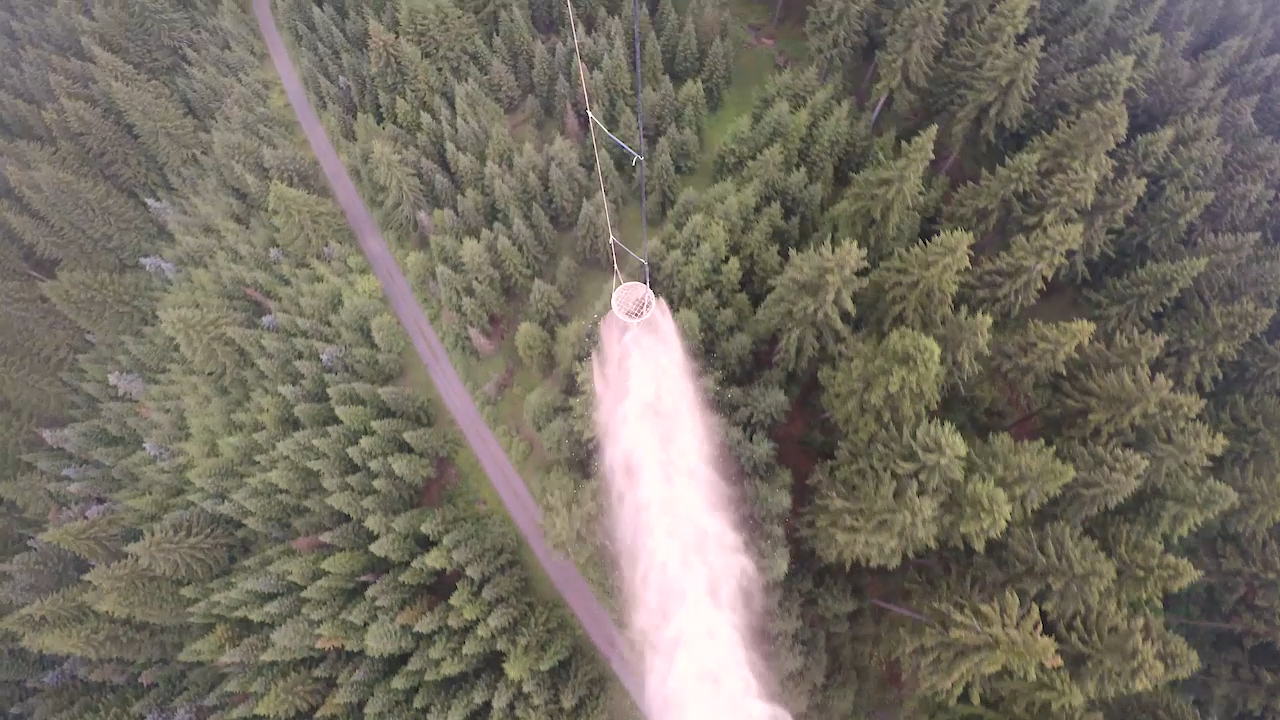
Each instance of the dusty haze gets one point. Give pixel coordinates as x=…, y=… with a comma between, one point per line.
x=689, y=583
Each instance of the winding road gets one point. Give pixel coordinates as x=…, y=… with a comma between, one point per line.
x=515, y=495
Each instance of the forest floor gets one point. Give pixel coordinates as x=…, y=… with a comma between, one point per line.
x=794, y=453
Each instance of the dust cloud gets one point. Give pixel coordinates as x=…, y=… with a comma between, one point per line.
x=690, y=585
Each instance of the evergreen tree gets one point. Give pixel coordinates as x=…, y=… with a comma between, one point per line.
x=661, y=181
x=157, y=118
x=545, y=77
x=836, y=30
x=1132, y=300
x=667, y=25
x=105, y=304
x=909, y=371
x=534, y=346
x=809, y=303
x=989, y=75
x=691, y=103
x=912, y=44
x=504, y=84
x=545, y=304
x=593, y=232
x=716, y=71
x=915, y=287
x=1013, y=279
x=687, y=62
x=882, y=203
x=976, y=640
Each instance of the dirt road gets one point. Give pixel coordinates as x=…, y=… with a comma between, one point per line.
x=502, y=474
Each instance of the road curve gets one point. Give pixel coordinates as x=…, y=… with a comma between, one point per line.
x=502, y=474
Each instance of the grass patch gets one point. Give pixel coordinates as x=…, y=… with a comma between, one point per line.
x=751, y=69
x=523, y=123
x=591, y=298
x=788, y=36
x=593, y=280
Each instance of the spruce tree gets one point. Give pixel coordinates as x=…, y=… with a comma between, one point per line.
x=687, y=61
x=1013, y=279
x=716, y=71
x=534, y=346
x=810, y=303
x=592, y=234
x=914, y=39
x=915, y=287
x=661, y=181
x=989, y=74
x=835, y=29
x=105, y=304
x=882, y=203
x=667, y=25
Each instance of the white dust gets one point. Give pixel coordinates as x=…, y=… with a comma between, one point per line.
x=690, y=586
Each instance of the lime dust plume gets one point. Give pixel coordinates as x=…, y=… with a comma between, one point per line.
x=690, y=586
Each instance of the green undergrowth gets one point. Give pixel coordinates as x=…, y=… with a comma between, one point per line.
x=751, y=70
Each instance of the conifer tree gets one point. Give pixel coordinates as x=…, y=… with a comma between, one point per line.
x=201, y=335
x=97, y=540
x=651, y=53
x=684, y=146
x=544, y=78
x=662, y=181
x=691, y=103
x=1013, y=279
x=113, y=149
x=879, y=507
x=908, y=365
x=158, y=119
x=835, y=29
x=716, y=71
x=105, y=304
x=912, y=44
x=915, y=287
x=592, y=232
x=667, y=25
x=882, y=203
x=978, y=639
x=1132, y=300
x=503, y=84
x=534, y=346
x=100, y=225
x=188, y=547
x=567, y=181
x=989, y=75
x=687, y=62
x=811, y=302
x=545, y=304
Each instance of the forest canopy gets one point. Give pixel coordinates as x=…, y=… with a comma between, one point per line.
x=984, y=292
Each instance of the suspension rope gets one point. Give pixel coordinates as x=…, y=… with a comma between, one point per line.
x=644, y=211
x=636, y=157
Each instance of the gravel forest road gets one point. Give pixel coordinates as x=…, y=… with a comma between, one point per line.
x=515, y=495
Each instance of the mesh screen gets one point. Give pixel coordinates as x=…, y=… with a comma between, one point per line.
x=632, y=301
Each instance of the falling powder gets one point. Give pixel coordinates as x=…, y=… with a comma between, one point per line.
x=689, y=583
